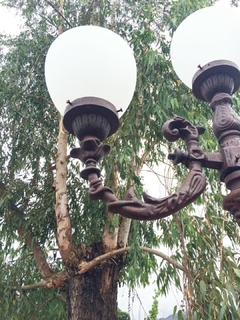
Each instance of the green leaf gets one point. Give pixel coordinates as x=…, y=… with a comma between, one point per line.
x=203, y=288
x=237, y=272
x=222, y=312
x=174, y=312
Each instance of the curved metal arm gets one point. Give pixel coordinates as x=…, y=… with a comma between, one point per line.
x=154, y=208
x=190, y=190
x=91, y=151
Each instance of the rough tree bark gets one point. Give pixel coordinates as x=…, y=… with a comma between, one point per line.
x=93, y=294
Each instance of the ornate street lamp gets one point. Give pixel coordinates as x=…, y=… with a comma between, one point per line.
x=206, y=40
x=94, y=70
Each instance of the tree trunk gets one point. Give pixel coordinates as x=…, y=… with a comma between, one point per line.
x=93, y=295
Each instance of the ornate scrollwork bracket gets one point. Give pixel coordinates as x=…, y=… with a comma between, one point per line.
x=91, y=151
x=215, y=83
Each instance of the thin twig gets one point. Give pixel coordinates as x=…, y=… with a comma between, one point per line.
x=49, y=21
x=45, y=303
x=56, y=9
x=60, y=297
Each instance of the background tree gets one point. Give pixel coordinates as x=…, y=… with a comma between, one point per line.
x=62, y=255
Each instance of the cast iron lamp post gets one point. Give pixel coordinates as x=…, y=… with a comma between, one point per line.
x=94, y=70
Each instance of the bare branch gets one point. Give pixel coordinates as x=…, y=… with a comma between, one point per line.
x=46, y=19
x=40, y=284
x=85, y=266
x=64, y=233
x=60, y=297
x=26, y=235
x=50, y=299
x=124, y=231
x=59, y=12
x=45, y=303
x=56, y=280
x=61, y=209
x=185, y=255
x=164, y=257
x=39, y=256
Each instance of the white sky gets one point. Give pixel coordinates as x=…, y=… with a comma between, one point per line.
x=9, y=24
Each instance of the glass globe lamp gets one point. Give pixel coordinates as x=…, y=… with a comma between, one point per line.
x=91, y=76
x=206, y=45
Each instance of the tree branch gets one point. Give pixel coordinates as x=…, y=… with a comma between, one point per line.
x=50, y=299
x=45, y=303
x=56, y=280
x=64, y=233
x=41, y=262
x=85, y=266
x=164, y=257
x=124, y=231
x=59, y=12
x=48, y=20
x=39, y=256
x=40, y=284
x=185, y=255
x=50, y=279
x=60, y=297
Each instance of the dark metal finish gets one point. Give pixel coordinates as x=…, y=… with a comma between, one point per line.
x=219, y=76
x=91, y=116
x=89, y=124
x=215, y=83
x=190, y=190
x=91, y=151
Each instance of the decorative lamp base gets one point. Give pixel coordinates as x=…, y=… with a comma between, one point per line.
x=90, y=116
x=217, y=76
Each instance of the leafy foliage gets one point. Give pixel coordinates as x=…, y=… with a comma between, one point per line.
x=29, y=133
x=21, y=304
x=153, y=313
x=123, y=315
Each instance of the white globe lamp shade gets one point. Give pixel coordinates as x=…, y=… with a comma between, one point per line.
x=92, y=64
x=209, y=34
